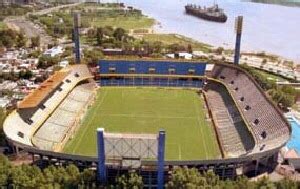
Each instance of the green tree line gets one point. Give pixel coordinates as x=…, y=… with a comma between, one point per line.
x=185, y=178
x=30, y=176
x=108, y=37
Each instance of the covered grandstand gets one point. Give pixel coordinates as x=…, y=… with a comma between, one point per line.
x=151, y=73
x=35, y=115
x=62, y=123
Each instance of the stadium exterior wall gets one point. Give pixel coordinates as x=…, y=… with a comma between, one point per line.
x=148, y=167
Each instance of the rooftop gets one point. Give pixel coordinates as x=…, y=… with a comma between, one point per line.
x=38, y=95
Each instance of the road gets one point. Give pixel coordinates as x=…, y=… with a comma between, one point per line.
x=33, y=30
x=52, y=9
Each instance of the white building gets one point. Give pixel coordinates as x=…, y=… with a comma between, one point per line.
x=55, y=51
x=63, y=63
x=187, y=56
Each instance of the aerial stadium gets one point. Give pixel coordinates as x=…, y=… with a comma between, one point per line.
x=215, y=116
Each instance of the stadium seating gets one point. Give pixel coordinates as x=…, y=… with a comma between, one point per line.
x=161, y=82
x=151, y=73
x=234, y=137
x=64, y=118
x=266, y=122
x=21, y=130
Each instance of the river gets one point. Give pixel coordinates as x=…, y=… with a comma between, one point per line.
x=271, y=28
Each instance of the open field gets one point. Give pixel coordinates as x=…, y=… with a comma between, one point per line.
x=147, y=110
x=98, y=15
x=133, y=22
x=168, y=39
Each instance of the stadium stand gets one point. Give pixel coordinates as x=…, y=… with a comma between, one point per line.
x=151, y=73
x=64, y=119
x=33, y=111
x=266, y=122
x=232, y=132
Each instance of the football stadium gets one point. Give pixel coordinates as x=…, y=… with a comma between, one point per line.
x=215, y=116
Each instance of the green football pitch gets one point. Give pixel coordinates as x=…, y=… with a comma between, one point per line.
x=147, y=110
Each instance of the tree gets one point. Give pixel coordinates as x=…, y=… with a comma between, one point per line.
x=46, y=61
x=265, y=183
x=219, y=50
x=25, y=74
x=264, y=61
x=129, y=181
x=35, y=54
x=91, y=33
x=3, y=115
x=87, y=178
x=5, y=167
x=92, y=56
x=287, y=100
x=157, y=47
x=21, y=40
x=190, y=49
x=27, y=176
x=100, y=36
x=35, y=41
x=119, y=34
x=176, y=47
x=7, y=41
x=108, y=31
x=286, y=183
x=243, y=183
x=185, y=178
x=73, y=176
x=49, y=174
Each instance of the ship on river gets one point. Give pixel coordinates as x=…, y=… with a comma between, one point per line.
x=213, y=13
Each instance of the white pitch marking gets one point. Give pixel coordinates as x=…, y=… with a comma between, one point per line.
x=179, y=149
x=204, y=144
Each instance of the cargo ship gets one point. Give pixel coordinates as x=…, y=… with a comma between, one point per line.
x=213, y=13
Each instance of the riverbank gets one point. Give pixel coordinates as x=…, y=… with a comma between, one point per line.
x=269, y=28
x=169, y=39
x=290, y=3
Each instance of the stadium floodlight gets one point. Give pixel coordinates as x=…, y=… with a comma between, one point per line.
x=238, y=30
x=101, y=155
x=76, y=37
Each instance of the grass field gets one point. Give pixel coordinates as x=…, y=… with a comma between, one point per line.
x=168, y=39
x=147, y=110
x=125, y=22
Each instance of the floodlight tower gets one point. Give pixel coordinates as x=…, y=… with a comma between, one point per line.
x=238, y=29
x=76, y=37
